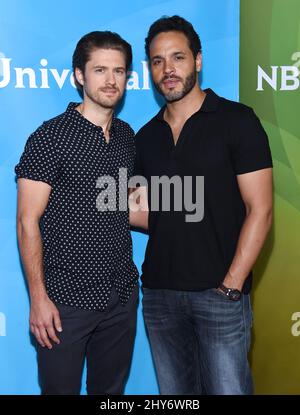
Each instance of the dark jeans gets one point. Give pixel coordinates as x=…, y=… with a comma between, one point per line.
x=105, y=338
x=199, y=341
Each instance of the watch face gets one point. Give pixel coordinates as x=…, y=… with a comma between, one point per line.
x=235, y=295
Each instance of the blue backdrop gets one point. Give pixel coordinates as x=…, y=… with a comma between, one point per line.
x=37, y=40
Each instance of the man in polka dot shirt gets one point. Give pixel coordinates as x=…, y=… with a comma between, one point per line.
x=76, y=245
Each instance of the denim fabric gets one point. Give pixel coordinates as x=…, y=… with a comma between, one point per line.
x=199, y=341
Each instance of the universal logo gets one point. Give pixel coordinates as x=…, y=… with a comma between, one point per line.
x=40, y=78
x=282, y=78
x=2, y=325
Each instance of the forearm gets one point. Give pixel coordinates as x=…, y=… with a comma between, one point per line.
x=138, y=208
x=31, y=250
x=250, y=243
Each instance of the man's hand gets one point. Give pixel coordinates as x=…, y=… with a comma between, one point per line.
x=44, y=320
x=33, y=198
x=138, y=207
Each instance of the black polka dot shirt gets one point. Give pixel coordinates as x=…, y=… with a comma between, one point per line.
x=86, y=251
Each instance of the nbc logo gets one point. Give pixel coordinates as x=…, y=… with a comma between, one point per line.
x=283, y=78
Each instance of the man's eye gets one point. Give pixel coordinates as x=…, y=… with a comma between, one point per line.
x=99, y=70
x=179, y=57
x=157, y=62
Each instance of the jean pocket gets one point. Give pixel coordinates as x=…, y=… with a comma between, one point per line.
x=152, y=294
x=223, y=295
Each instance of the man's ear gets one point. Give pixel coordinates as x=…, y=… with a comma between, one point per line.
x=198, y=62
x=79, y=76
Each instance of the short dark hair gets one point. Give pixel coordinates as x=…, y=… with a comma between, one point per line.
x=171, y=24
x=98, y=40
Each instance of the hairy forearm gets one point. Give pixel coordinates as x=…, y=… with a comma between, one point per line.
x=31, y=250
x=250, y=243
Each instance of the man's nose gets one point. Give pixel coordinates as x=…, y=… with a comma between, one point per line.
x=110, y=78
x=168, y=67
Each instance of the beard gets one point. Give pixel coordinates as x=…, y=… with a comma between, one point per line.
x=188, y=84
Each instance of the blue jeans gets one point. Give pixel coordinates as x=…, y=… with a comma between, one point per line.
x=199, y=341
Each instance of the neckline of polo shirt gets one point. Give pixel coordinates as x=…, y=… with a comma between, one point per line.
x=210, y=104
x=82, y=120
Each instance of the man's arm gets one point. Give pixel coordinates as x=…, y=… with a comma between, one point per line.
x=256, y=191
x=138, y=207
x=33, y=197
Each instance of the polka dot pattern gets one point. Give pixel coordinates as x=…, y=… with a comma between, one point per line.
x=86, y=251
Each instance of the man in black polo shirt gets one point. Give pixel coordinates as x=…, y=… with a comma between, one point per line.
x=73, y=232
x=197, y=269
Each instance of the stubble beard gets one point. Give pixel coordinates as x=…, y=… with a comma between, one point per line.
x=188, y=85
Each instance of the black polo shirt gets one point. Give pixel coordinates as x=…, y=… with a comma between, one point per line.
x=86, y=250
x=220, y=141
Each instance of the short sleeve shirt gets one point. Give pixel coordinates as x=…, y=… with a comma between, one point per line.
x=86, y=250
x=222, y=140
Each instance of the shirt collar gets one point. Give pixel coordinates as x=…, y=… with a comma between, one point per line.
x=210, y=104
x=82, y=121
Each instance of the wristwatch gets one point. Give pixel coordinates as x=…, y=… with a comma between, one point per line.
x=232, y=293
